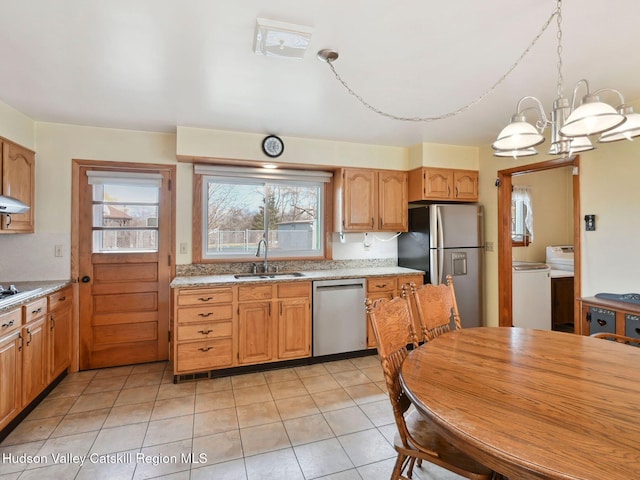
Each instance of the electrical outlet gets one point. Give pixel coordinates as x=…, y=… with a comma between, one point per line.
x=184, y=248
x=58, y=251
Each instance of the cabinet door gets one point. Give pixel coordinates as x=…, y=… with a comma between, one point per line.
x=59, y=342
x=255, y=342
x=392, y=201
x=18, y=166
x=438, y=184
x=359, y=200
x=465, y=185
x=34, y=360
x=294, y=328
x=10, y=377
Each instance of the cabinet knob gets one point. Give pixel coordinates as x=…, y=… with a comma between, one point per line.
x=86, y=279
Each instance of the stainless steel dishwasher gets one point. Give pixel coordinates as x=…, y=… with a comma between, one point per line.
x=339, y=316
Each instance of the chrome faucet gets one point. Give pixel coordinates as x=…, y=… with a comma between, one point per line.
x=263, y=240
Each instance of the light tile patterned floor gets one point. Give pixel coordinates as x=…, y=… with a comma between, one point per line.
x=331, y=421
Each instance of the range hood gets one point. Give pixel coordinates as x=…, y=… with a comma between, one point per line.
x=12, y=205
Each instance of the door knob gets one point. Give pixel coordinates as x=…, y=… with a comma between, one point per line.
x=86, y=279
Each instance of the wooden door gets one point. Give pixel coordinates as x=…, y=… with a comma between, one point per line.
x=255, y=330
x=124, y=263
x=392, y=201
x=34, y=359
x=10, y=377
x=359, y=200
x=294, y=328
x=18, y=175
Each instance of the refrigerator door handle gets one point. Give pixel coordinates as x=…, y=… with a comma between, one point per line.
x=440, y=245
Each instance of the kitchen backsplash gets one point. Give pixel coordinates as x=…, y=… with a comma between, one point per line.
x=284, y=266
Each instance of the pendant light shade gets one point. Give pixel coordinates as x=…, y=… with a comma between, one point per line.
x=625, y=131
x=525, y=152
x=518, y=135
x=592, y=117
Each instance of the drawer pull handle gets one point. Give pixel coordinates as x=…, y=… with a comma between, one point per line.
x=205, y=332
x=383, y=285
x=205, y=299
x=29, y=341
x=601, y=322
x=205, y=314
x=205, y=349
x=36, y=311
x=9, y=324
x=62, y=299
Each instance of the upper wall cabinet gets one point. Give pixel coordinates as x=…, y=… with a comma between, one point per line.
x=370, y=200
x=18, y=180
x=427, y=183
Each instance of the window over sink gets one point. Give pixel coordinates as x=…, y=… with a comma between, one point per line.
x=521, y=216
x=239, y=205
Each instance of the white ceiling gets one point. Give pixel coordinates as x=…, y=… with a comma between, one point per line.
x=156, y=64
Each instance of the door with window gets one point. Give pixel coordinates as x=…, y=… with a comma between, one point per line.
x=124, y=263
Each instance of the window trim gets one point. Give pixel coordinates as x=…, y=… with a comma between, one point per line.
x=198, y=215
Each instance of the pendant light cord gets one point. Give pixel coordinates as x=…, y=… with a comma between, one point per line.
x=556, y=13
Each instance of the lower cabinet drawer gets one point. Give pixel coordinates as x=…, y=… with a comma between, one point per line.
x=205, y=355
x=200, y=331
x=207, y=313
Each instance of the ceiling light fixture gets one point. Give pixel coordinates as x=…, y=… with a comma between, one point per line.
x=570, y=124
x=280, y=39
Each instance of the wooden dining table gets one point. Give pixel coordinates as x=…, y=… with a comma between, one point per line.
x=532, y=403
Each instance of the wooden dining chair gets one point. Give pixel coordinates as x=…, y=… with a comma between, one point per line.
x=618, y=338
x=436, y=307
x=415, y=438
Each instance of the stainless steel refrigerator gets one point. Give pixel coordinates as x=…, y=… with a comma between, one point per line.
x=447, y=239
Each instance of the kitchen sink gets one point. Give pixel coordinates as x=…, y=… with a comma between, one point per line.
x=270, y=275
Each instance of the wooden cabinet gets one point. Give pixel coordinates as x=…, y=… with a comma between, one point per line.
x=35, y=348
x=18, y=180
x=10, y=365
x=371, y=200
x=34, y=351
x=294, y=320
x=430, y=183
x=60, y=308
x=562, y=304
x=603, y=315
x=389, y=287
x=203, y=329
x=255, y=325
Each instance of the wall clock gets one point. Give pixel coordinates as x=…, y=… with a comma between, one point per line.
x=272, y=146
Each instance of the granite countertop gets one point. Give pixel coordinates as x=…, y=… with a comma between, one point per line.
x=211, y=280
x=31, y=291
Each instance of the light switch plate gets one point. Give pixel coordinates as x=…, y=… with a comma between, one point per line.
x=590, y=222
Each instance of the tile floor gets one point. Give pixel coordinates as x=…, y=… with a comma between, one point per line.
x=330, y=420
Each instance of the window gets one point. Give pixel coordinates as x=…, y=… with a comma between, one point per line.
x=241, y=206
x=521, y=216
x=125, y=211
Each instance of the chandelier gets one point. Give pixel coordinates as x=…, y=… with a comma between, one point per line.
x=571, y=123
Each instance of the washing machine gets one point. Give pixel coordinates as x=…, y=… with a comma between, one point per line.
x=531, y=284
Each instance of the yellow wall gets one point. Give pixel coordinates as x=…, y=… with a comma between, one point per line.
x=16, y=126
